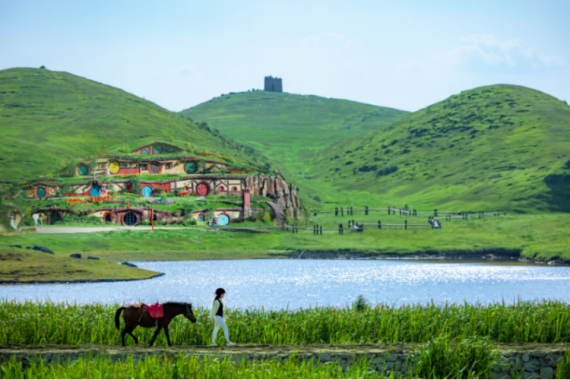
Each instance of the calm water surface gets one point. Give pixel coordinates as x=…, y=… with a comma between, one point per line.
x=302, y=283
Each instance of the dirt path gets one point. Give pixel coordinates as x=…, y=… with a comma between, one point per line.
x=255, y=349
x=72, y=230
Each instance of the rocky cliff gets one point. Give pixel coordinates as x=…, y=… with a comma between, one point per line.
x=276, y=188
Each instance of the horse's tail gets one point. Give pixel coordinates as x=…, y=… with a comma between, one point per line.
x=117, y=316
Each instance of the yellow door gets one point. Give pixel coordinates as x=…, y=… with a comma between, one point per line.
x=114, y=167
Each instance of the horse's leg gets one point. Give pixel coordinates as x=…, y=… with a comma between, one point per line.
x=167, y=335
x=155, y=334
x=134, y=337
x=123, y=333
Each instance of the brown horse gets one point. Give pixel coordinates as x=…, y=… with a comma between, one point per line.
x=133, y=317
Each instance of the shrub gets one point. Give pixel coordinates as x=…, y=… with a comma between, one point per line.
x=317, y=198
x=386, y=171
x=136, y=185
x=287, y=219
x=190, y=222
x=157, y=192
x=267, y=217
x=360, y=304
x=163, y=197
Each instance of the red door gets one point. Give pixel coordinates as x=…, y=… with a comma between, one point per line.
x=203, y=189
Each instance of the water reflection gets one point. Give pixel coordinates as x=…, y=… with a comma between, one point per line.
x=301, y=283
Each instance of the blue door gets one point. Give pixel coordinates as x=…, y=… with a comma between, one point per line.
x=83, y=170
x=223, y=220
x=201, y=218
x=41, y=192
x=147, y=191
x=96, y=191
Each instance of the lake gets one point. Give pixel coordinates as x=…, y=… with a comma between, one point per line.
x=280, y=284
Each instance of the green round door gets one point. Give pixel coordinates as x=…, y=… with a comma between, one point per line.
x=83, y=170
x=191, y=167
x=41, y=192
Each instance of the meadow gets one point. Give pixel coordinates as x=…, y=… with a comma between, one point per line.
x=536, y=237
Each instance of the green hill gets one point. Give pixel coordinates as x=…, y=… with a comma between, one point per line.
x=291, y=129
x=492, y=148
x=48, y=118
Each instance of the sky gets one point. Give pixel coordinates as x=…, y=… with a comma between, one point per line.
x=400, y=54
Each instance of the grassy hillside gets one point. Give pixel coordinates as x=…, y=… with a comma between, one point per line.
x=291, y=129
x=497, y=147
x=22, y=265
x=48, y=118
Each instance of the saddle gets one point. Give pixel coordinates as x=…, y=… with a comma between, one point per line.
x=155, y=310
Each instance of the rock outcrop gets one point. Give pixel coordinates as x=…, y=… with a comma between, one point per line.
x=276, y=188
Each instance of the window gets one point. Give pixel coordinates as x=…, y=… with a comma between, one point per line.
x=144, y=167
x=168, y=166
x=124, y=165
x=234, y=188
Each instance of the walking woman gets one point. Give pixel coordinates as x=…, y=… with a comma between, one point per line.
x=217, y=314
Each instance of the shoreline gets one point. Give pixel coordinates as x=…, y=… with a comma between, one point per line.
x=76, y=281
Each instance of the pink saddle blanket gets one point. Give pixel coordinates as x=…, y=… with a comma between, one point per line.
x=155, y=310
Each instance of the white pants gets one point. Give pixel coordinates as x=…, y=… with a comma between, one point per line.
x=219, y=322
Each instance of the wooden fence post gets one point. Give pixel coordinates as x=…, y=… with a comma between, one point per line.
x=365, y=210
x=336, y=211
x=400, y=212
x=351, y=211
x=379, y=225
x=435, y=212
x=388, y=210
x=405, y=224
x=341, y=212
x=321, y=230
x=340, y=229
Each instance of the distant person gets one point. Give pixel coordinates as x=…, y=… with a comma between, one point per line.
x=13, y=222
x=35, y=217
x=215, y=223
x=209, y=224
x=217, y=314
x=41, y=221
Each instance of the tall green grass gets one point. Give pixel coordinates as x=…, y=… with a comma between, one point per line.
x=533, y=322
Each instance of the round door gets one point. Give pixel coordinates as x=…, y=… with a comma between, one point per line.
x=155, y=167
x=191, y=167
x=147, y=191
x=170, y=150
x=201, y=217
x=96, y=191
x=83, y=170
x=114, y=167
x=54, y=217
x=223, y=220
x=130, y=219
x=41, y=192
x=203, y=189
x=158, y=149
x=144, y=151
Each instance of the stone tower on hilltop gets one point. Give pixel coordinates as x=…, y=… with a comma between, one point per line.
x=273, y=84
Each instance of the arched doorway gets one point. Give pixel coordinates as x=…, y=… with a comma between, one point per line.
x=155, y=167
x=223, y=219
x=191, y=167
x=41, y=192
x=203, y=189
x=55, y=217
x=201, y=217
x=108, y=218
x=95, y=190
x=147, y=191
x=130, y=219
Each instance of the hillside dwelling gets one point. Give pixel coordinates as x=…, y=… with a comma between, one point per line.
x=224, y=215
x=172, y=165
x=158, y=147
x=54, y=214
x=41, y=190
x=206, y=185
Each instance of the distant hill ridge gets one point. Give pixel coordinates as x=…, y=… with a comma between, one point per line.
x=499, y=147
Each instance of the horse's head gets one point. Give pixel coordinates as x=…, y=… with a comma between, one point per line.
x=189, y=313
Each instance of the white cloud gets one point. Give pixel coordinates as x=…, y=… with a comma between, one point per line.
x=487, y=53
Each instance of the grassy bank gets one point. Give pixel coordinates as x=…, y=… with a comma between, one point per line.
x=22, y=265
x=70, y=324
x=468, y=359
x=539, y=237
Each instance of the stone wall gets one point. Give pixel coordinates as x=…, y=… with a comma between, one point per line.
x=534, y=362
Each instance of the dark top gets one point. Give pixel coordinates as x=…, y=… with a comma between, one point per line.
x=220, y=312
